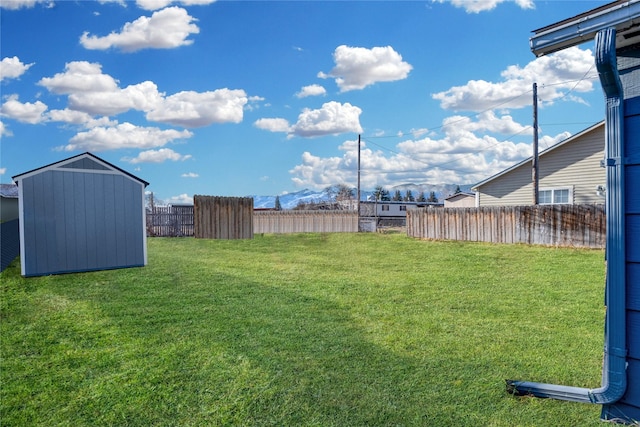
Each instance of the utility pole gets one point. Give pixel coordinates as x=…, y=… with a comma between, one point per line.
x=535, y=169
x=358, y=203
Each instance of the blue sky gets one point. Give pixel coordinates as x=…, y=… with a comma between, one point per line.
x=238, y=98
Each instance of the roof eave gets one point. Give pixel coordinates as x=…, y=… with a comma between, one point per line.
x=17, y=178
x=623, y=15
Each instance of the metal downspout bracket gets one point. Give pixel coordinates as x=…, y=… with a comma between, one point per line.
x=614, y=378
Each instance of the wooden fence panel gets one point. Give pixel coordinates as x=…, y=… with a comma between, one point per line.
x=223, y=217
x=305, y=222
x=170, y=221
x=555, y=225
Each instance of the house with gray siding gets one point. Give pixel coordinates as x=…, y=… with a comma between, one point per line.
x=8, y=202
x=80, y=214
x=570, y=172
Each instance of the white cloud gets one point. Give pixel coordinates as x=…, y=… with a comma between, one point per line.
x=193, y=109
x=547, y=141
x=332, y=119
x=120, y=2
x=93, y=92
x=80, y=77
x=23, y=112
x=463, y=153
x=159, y=4
x=311, y=90
x=3, y=171
x=477, y=6
x=190, y=175
x=166, y=29
x=157, y=156
x=358, y=67
x=19, y=4
x=181, y=199
x=142, y=97
x=489, y=122
x=273, y=125
x=124, y=135
x=4, y=131
x=12, y=68
x=79, y=118
x=555, y=74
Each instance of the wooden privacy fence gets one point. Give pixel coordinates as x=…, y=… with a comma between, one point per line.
x=305, y=222
x=223, y=217
x=170, y=221
x=557, y=225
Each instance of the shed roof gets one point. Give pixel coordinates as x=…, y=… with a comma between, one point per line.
x=548, y=150
x=624, y=15
x=103, y=163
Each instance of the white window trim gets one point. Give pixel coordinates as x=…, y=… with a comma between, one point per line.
x=553, y=190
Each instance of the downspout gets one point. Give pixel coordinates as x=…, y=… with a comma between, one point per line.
x=614, y=377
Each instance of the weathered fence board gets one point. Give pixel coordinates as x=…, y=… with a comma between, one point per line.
x=223, y=217
x=556, y=225
x=170, y=221
x=305, y=222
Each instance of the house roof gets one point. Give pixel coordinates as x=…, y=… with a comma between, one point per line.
x=461, y=194
x=9, y=191
x=624, y=15
x=542, y=153
x=69, y=160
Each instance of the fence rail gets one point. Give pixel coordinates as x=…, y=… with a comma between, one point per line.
x=305, y=222
x=556, y=225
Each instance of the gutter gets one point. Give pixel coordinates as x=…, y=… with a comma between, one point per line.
x=614, y=376
x=623, y=15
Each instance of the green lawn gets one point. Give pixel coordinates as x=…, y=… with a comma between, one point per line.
x=307, y=329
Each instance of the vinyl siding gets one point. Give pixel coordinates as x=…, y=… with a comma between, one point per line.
x=575, y=164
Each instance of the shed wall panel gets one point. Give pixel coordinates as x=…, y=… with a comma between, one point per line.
x=77, y=221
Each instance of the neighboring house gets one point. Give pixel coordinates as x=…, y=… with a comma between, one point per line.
x=570, y=172
x=80, y=214
x=460, y=200
x=8, y=202
x=391, y=209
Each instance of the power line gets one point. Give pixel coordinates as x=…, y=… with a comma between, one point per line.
x=586, y=76
x=368, y=139
x=439, y=165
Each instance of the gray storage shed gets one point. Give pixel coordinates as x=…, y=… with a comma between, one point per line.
x=80, y=214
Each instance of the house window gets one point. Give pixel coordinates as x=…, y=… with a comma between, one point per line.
x=555, y=196
x=403, y=208
x=385, y=207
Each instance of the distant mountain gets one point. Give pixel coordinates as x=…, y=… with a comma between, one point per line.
x=291, y=200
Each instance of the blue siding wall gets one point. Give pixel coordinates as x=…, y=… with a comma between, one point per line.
x=81, y=221
x=628, y=408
